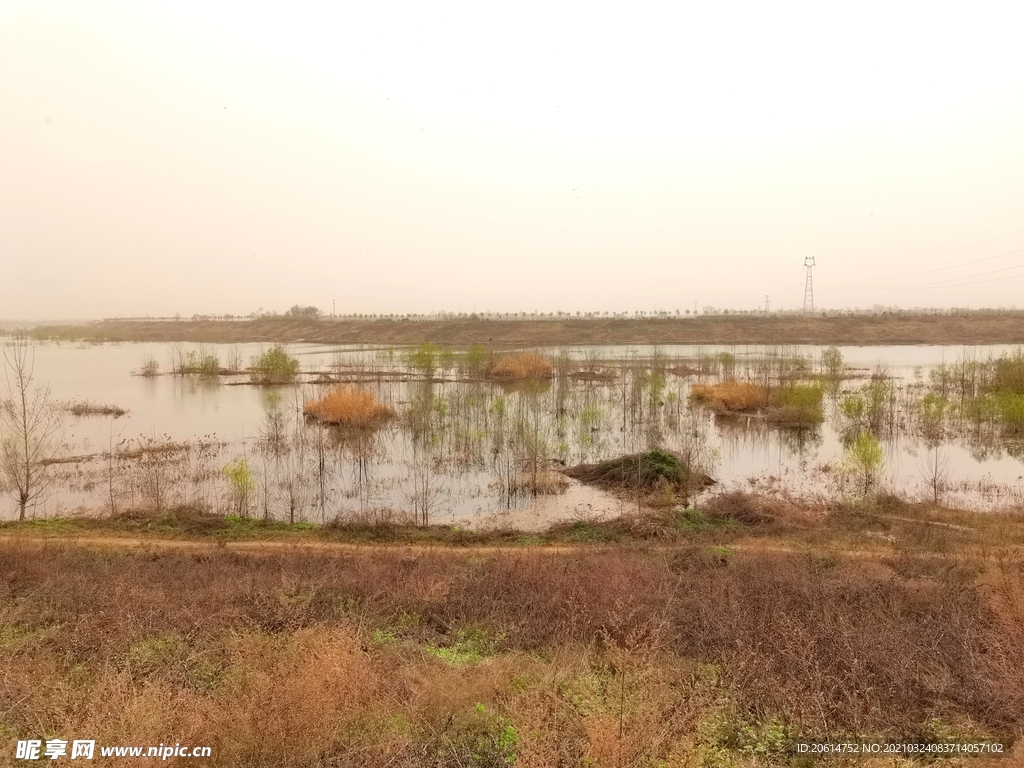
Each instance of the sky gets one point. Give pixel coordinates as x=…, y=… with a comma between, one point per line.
x=202, y=157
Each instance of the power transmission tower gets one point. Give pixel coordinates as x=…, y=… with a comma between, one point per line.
x=767, y=306
x=809, y=287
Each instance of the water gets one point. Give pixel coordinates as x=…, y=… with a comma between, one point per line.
x=459, y=439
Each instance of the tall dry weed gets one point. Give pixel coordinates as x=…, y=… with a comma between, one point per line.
x=527, y=365
x=349, y=407
x=731, y=395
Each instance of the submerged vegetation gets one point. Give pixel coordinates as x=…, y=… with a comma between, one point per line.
x=674, y=626
x=89, y=408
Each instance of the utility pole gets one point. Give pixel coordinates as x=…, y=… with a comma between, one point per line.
x=809, y=286
x=334, y=308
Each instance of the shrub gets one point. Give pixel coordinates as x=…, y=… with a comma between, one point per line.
x=243, y=485
x=799, y=404
x=476, y=358
x=275, y=366
x=866, y=459
x=424, y=358
x=150, y=367
x=527, y=365
x=1011, y=410
x=349, y=407
x=200, y=362
x=831, y=362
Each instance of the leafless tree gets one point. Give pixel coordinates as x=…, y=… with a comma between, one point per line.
x=935, y=473
x=31, y=426
x=424, y=492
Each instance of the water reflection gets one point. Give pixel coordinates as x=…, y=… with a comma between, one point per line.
x=460, y=444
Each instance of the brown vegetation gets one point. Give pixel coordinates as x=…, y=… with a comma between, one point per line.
x=526, y=365
x=423, y=658
x=731, y=395
x=964, y=328
x=349, y=407
x=759, y=509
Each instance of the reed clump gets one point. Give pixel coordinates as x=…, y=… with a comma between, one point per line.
x=526, y=365
x=731, y=395
x=349, y=407
x=89, y=408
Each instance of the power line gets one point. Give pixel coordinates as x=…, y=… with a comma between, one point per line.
x=963, y=277
x=972, y=245
x=966, y=237
x=960, y=285
x=952, y=266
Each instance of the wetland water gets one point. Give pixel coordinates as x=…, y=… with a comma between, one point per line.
x=460, y=446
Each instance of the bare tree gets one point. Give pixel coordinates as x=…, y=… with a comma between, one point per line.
x=424, y=492
x=935, y=473
x=31, y=426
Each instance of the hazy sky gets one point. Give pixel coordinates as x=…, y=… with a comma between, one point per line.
x=202, y=157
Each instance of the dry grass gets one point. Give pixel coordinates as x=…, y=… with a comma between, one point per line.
x=521, y=366
x=423, y=657
x=731, y=395
x=89, y=408
x=968, y=328
x=755, y=509
x=349, y=407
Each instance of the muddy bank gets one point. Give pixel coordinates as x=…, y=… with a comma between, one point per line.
x=972, y=328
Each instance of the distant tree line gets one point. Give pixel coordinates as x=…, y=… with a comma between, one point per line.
x=314, y=313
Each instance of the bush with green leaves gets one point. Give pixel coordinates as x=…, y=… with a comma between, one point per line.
x=242, y=483
x=831, y=363
x=275, y=366
x=424, y=358
x=200, y=362
x=866, y=459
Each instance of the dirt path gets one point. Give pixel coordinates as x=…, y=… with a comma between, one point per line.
x=275, y=546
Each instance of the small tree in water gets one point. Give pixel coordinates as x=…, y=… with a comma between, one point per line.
x=275, y=366
x=242, y=483
x=31, y=427
x=866, y=460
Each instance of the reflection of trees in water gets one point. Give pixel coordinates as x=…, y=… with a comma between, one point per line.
x=761, y=435
x=483, y=439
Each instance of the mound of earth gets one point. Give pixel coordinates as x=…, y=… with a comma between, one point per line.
x=644, y=471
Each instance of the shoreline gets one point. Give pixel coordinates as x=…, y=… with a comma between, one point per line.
x=968, y=329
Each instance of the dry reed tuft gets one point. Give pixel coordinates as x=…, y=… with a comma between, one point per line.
x=760, y=509
x=349, y=407
x=527, y=365
x=731, y=395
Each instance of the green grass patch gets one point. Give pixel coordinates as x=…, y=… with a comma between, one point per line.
x=472, y=646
